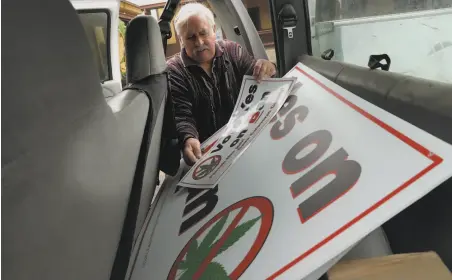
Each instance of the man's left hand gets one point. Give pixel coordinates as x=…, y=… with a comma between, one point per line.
x=263, y=69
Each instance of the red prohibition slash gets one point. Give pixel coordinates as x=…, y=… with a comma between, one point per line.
x=263, y=205
x=206, y=167
x=206, y=149
x=436, y=160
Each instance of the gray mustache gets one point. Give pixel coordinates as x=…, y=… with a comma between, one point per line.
x=200, y=49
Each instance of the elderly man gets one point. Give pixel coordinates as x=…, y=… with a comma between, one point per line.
x=205, y=78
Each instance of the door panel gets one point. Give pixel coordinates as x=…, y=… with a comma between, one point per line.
x=233, y=15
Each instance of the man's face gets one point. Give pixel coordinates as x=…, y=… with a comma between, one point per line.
x=198, y=38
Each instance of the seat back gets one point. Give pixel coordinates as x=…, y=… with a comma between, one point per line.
x=68, y=158
x=146, y=73
x=425, y=225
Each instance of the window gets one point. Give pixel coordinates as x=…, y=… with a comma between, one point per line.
x=416, y=34
x=122, y=51
x=349, y=9
x=96, y=25
x=255, y=17
x=259, y=11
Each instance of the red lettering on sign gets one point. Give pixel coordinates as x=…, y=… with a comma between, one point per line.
x=206, y=149
x=254, y=117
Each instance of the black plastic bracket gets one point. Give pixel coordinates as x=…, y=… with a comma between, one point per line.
x=376, y=59
x=328, y=54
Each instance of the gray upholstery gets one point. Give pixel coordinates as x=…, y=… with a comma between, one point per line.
x=144, y=49
x=146, y=66
x=152, y=171
x=425, y=225
x=68, y=159
x=382, y=88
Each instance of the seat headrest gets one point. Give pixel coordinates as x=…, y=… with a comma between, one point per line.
x=144, y=48
x=49, y=76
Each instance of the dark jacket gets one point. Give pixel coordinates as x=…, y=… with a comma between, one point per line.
x=204, y=104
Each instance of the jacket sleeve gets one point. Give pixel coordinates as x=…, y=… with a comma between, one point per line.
x=245, y=61
x=182, y=99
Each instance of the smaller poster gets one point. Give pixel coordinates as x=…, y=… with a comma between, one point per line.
x=256, y=105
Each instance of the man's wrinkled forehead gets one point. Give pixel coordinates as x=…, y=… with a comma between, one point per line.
x=196, y=24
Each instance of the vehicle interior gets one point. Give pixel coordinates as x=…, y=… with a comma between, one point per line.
x=81, y=160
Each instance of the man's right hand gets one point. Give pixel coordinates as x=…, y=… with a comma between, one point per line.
x=192, y=151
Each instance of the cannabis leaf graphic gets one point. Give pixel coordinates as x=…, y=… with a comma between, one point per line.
x=236, y=234
x=197, y=254
x=214, y=271
x=206, y=244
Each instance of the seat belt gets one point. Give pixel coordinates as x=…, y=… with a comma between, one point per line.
x=170, y=151
x=165, y=21
x=165, y=30
x=288, y=19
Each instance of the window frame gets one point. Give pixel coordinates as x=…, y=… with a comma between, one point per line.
x=339, y=15
x=108, y=39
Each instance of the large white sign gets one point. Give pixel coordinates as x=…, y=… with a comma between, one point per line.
x=327, y=170
x=256, y=105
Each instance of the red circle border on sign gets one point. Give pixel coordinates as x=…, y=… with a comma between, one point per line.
x=265, y=207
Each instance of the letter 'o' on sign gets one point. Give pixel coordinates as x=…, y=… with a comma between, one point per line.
x=321, y=139
x=346, y=173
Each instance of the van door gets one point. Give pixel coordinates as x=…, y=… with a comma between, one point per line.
x=100, y=20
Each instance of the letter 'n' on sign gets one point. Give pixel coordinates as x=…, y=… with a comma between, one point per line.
x=346, y=174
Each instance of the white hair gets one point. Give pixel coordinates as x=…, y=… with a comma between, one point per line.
x=193, y=9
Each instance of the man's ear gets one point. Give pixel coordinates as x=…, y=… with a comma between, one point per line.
x=181, y=43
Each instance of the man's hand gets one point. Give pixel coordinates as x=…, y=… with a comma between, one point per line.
x=263, y=69
x=192, y=151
